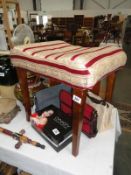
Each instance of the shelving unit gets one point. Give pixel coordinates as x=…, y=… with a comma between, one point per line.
x=89, y=22
x=5, y=5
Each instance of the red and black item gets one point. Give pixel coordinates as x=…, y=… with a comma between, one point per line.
x=89, y=126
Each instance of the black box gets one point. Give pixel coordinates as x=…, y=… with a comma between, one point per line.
x=58, y=130
x=8, y=75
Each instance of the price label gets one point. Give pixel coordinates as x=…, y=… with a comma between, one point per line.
x=77, y=99
x=2, y=74
x=55, y=131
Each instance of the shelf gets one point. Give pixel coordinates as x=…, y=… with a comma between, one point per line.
x=4, y=4
x=10, y=1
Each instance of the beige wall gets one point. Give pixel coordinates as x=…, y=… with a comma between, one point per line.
x=107, y=4
x=56, y=5
x=26, y=5
x=63, y=8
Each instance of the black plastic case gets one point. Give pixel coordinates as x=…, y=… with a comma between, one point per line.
x=8, y=74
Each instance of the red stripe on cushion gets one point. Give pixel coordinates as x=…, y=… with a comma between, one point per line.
x=28, y=48
x=90, y=63
x=49, y=49
x=61, y=54
x=77, y=55
x=65, y=53
x=79, y=72
x=80, y=53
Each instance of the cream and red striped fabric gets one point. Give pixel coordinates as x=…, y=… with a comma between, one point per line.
x=78, y=66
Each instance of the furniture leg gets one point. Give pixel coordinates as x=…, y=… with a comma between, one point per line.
x=96, y=88
x=79, y=98
x=110, y=86
x=22, y=76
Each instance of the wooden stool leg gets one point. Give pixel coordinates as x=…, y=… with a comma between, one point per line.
x=110, y=86
x=22, y=76
x=96, y=88
x=79, y=97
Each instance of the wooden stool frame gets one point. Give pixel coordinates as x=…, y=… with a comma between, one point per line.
x=79, y=98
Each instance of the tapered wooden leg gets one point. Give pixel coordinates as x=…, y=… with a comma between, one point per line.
x=79, y=97
x=96, y=88
x=110, y=86
x=22, y=76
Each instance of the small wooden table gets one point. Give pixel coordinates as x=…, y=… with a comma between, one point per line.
x=72, y=65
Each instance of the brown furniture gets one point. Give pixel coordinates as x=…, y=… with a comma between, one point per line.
x=62, y=68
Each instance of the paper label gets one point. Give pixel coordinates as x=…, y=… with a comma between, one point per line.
x=55, y=131
x=2, y=74
x=77, y=99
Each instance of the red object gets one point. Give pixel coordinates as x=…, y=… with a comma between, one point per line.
x=39, y=126
x=88, y=112
x=66, y=102
x=34, y=115
x=89, y=126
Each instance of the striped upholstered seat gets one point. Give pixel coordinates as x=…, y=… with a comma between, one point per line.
x=74, y=65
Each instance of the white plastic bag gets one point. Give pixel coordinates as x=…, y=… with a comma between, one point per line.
x=104, y=110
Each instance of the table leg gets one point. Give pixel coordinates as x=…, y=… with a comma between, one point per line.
x=22, y=76
x=110, y=86
x=79, y=98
